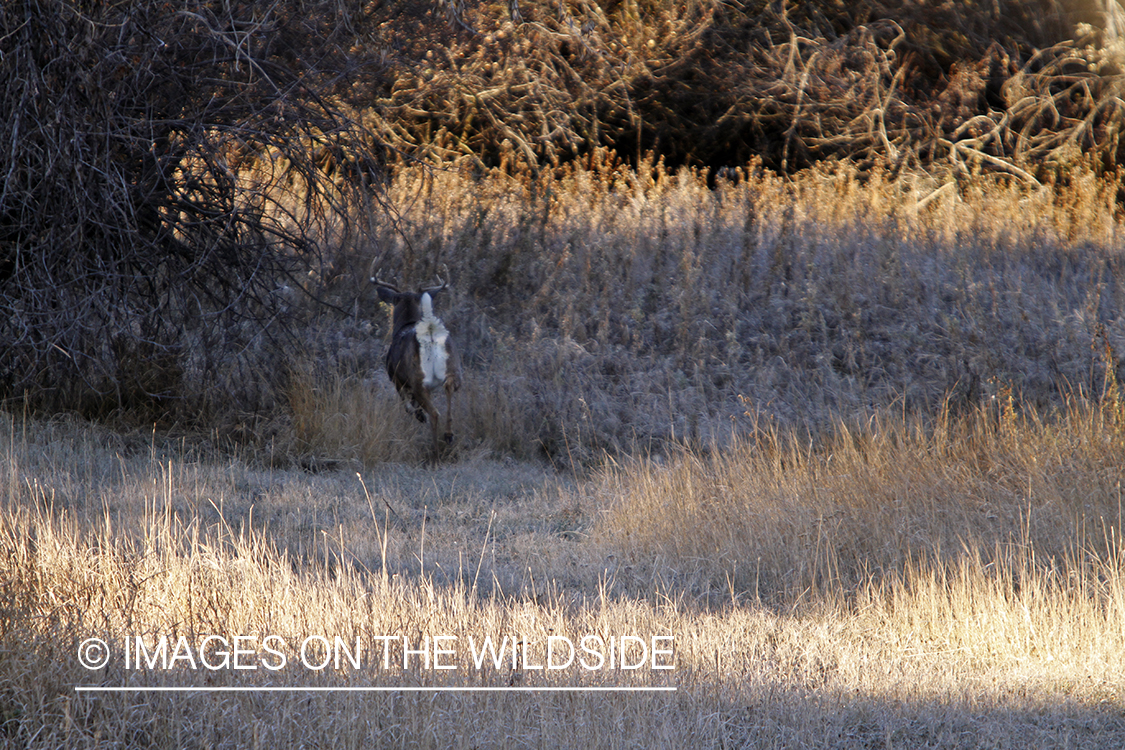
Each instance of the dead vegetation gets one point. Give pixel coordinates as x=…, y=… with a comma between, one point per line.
x=164, y=170
x=624, y=311
x=1030, y=86
x=775, y=513
x=931, y=586
x=182, y=184
x=822, y=303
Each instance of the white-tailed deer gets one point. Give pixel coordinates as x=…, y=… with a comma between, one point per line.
x=421, y=358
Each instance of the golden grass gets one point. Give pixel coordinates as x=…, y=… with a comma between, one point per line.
x=611, y=310
x=363, y=421
x=909, y=590
x=775, y=513
x=344, y=417
x=801, y=454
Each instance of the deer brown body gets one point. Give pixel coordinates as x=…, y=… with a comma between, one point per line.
x=421, y=358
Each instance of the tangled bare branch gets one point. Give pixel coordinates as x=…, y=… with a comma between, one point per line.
x=164, y=172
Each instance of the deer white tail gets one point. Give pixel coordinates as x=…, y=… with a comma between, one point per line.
x=431, y=334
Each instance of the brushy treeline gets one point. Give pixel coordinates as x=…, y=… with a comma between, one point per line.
x=1021, y=86
x=184, y=186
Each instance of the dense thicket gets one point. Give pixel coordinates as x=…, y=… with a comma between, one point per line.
x=1023, y=86
x=164, y=166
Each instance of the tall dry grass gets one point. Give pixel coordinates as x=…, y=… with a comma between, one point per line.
x=854, y=441
x=337, y=417
x=604, y=309
x=776, y=514
x=942, y=585
x=233, y=177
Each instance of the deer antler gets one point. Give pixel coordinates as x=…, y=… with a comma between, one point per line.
x=442, y=284
x=379, y=282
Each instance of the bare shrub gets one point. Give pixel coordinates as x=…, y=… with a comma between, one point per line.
x=1065, y=106
x=710, y=84
x=164, y=172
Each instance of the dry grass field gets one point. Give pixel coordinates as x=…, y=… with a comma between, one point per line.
x=851, y=447
x=616, y=310
x=792, y=337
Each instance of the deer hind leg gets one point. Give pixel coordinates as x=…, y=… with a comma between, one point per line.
x=437, y=442
x=413, y=405
x=448, y=413
x=425, y=408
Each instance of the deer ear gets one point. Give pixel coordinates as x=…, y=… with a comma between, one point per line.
x=387, y=295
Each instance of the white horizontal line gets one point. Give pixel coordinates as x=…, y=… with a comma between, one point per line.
x=374, y=689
